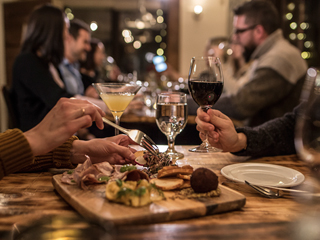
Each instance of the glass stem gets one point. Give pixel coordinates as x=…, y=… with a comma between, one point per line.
x=117, y=120
x=170, y=144
x=205, y=143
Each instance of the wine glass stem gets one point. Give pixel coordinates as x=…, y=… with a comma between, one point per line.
x=117, y=120
x=205, y=143
x=170, y=144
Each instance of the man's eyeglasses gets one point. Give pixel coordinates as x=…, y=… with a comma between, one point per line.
x=238, y=31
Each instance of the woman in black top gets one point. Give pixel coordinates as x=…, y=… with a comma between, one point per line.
x=36, y=85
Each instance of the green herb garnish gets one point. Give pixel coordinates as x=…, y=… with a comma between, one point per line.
x=119, y=182
x=70, y=171
x=140, y=191
x=153, y=186
x=125, y=168
x=124, y=191
x=104, y=178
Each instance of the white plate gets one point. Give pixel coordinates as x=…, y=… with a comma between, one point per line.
x=263, y=174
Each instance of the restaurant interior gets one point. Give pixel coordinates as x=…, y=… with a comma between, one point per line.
x=134, y=31
x=151, y=43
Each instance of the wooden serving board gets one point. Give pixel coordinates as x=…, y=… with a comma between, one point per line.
x=93, y=205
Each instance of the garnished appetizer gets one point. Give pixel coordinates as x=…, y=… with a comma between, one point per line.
x=133, y=193
x=153, y=163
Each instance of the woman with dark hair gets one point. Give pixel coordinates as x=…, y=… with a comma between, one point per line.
x=36, y=85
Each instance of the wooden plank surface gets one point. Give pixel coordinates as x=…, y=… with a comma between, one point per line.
x=24, y=196
x=92, y=204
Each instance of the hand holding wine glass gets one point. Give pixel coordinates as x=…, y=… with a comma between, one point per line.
x=171, y=118
x=205, y=82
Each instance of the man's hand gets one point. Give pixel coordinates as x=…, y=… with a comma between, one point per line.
x=220, y=131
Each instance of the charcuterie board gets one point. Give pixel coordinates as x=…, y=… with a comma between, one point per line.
x=93, y=205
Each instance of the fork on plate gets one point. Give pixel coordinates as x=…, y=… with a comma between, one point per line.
x=137, y=136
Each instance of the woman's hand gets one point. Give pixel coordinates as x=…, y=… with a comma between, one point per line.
x=65, y=119
x=220, y=130
x=114, y=150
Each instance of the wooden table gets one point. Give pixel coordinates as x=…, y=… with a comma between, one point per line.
x=26, y=196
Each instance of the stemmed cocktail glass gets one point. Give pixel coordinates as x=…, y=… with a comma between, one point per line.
x=205, y=82
x=117, y=97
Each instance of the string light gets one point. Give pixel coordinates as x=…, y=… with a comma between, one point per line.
x=289, y=16
x=293, y=25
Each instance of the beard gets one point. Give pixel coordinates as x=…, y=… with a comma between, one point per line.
x=248, y=52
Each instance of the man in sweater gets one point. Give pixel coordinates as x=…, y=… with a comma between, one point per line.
x=276, y=74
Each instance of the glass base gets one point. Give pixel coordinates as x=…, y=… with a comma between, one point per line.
x=208, y=149
x=174, y=155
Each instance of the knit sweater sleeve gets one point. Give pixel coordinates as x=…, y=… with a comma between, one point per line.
x=15, y=152
x=275, y=137
x=58, y=158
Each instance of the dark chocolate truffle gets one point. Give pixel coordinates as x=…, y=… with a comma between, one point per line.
x=203, y=180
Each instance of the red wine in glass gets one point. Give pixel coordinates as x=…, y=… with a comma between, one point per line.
x=205, y=94
x=205, y=83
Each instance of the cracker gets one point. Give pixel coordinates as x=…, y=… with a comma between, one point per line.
x=174, y=171
x=167, y=184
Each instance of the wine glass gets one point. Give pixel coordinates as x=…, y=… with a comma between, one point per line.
x=117, y=97
x=205, y=83
x=171, y=118
x=307, y=143
x=307, y=134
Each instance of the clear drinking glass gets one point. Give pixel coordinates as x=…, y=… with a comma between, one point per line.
x=205, y=82
x=307, y=134
x=117, y=97
x=171, y=118
x=307, y=143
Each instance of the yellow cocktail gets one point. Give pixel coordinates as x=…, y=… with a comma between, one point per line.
x=117, y=97
x=117, y=102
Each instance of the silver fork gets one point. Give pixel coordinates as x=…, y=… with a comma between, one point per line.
x=137, y=136
x=266, y=192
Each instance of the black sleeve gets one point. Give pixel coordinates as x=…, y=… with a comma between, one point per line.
x=275, y=137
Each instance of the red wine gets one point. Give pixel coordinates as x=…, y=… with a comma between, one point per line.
x=205, y=94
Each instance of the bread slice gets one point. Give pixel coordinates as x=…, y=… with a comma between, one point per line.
x=183, y=176
x=172, y=171
x=167, y=184
x=186, y=184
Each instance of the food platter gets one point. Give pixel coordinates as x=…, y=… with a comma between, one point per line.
x=93, y=205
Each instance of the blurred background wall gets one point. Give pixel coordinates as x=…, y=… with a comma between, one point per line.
x=178, y=33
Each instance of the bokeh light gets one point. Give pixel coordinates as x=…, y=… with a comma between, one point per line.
x=93, y=26
x=137, y=44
